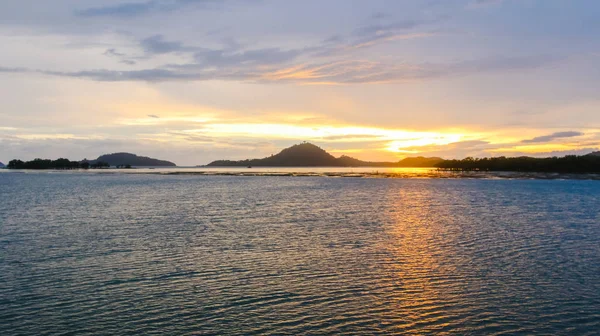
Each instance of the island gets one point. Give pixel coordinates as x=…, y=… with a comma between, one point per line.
x=128, y=159
x=589, y=163
x=310, y=155
x=119, y=160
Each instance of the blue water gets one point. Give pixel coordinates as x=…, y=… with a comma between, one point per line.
x=122, y=254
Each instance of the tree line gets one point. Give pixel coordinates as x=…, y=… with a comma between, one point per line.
x=566, y=164
x=60, y=164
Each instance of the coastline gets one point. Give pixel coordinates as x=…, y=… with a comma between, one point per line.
x=331, y=172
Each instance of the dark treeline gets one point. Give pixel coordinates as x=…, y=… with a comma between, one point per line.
x=55, y=164
x=567, y=164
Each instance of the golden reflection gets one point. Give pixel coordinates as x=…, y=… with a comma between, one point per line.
x=417, y=260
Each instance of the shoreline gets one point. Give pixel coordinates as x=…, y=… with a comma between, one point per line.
x=423, y=174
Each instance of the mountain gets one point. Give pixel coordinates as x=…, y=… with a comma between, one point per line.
x=123, y=159
x=301, y=155
x=2, y=165
x=594, y=153
x=309, y=155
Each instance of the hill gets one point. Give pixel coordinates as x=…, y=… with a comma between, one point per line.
x=2, y=165
x=594, y=153
x=301, y=155
x=309, y=155
x=123, y=159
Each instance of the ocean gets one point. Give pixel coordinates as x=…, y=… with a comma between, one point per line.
x=87, y=253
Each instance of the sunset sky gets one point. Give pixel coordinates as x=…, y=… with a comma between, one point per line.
x=192, y=81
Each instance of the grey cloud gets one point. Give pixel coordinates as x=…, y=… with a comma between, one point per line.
x=123, y=10
x=256, y=56
x=113, y=52
x=153, y=116
x=377, y=29
x=334, y=39
x=231, y=55
x=131, y=9
x=158, y=45
x=266, y=65
x=485, y=2
x=553, y=136
x=380, y=15
x=15, y=70
x=374, y=33
x=150, y=75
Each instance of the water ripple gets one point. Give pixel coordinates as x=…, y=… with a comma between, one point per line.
x=105, y=254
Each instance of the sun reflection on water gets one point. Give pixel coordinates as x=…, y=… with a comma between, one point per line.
x=419, y=246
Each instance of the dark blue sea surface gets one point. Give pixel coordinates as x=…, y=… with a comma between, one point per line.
x=136, y=254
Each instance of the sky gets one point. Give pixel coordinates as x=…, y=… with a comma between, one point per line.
x=192, y=81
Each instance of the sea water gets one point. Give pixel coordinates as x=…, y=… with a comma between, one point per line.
x=141, y=254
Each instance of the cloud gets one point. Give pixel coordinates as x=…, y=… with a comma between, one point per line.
x=375, y=32
x=158, y=45
x=264, y=66
x=484, y=3
x=131, y=9
x=13, y=69
x=221, y=58
x=332, y=61
x=553, y=136
x=211, y=58
x=153, y=116
x=122, y=10
x=113, y=53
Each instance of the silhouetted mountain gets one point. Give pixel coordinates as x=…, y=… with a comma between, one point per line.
x=124, y=159
x=309, y=155
x=2, y=165
x=594, y=153
x=302, y=155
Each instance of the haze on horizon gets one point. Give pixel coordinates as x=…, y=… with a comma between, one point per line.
x=192, y=81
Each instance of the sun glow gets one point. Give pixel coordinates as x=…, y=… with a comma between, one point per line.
x=398, y=139
x=426, y=139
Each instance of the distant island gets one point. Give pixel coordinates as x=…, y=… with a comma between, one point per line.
x=128, y=159
x=60, y=164
x=309, y=155
x=2, y=165
x=119, y=160
x=589, y=163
